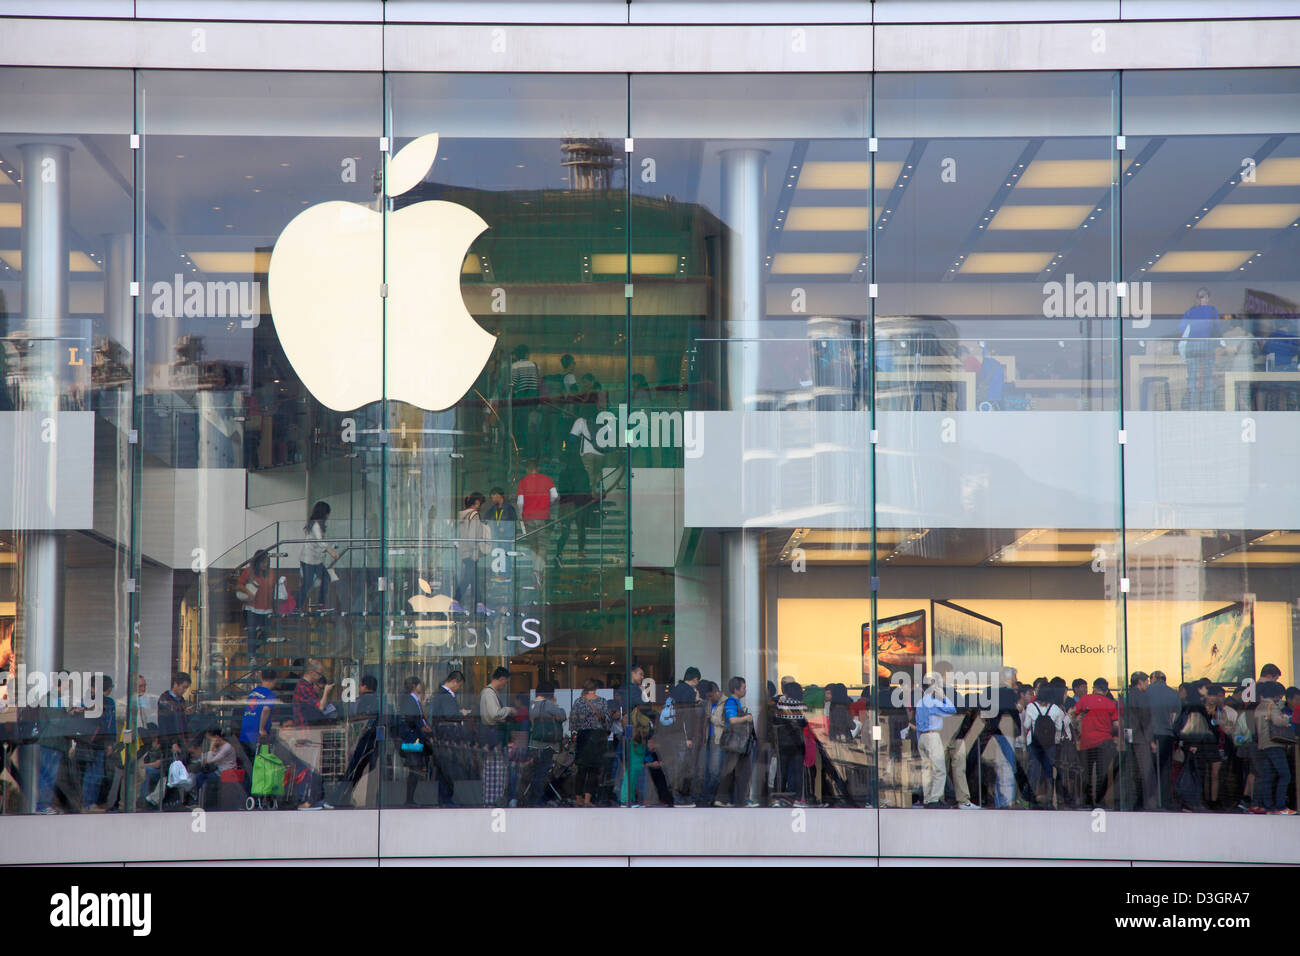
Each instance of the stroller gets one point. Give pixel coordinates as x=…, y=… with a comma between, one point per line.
x=557, y=786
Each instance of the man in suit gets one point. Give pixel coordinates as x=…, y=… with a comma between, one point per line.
x=447, y=717
x=414, y=730
x=365, y=756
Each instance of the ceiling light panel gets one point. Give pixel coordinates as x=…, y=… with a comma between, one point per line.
x=241, y=263
x=1067, y=174
x=643, y=263
x=853, y=174
x=815, y=263
x=1005, y=263
x=828, y=219
x=1208, y=261
x=77, y=261
x=1277, y=171
x=1041, y=217
x=1272, y=215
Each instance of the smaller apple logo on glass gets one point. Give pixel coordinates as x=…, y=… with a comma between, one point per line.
x=323, y=285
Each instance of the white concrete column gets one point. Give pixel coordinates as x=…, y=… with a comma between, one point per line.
x=742, y=212
x=46, y=168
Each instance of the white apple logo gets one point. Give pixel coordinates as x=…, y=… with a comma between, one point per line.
x=324, y=281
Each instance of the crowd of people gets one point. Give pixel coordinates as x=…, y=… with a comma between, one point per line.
x=1190, y=749
x=693, y=742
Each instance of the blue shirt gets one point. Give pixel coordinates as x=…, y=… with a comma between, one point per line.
x=1202, y=321
x=248, y=730
x=732, y=708
x=110, y=716
x=1284, y=348
x=930, y=712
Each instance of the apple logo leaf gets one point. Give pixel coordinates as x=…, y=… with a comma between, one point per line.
x=412, y=163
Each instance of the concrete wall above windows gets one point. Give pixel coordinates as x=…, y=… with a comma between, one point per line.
x=497, y=45
x=655, y=11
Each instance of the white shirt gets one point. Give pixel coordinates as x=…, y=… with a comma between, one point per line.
x=582, y=431
x=1034, y=710
x=313, y=552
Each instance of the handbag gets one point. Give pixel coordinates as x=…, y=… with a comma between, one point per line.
x=286, y=603
x=1284, y=735
x=233, y=775
x=737, y=741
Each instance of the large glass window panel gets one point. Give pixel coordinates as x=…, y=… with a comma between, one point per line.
x=1211, y=233
x=261, y=240
x=996, y=394
x=507, y=524
x=750, y=257
x=67, y=351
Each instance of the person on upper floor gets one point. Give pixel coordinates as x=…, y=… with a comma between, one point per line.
x=1199, y=331
x=312, y=563
x=254, y=592
x=500, y=515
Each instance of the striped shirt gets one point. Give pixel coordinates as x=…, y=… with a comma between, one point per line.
x=524, y=378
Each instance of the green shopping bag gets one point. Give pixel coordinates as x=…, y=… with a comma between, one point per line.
x=269, y=774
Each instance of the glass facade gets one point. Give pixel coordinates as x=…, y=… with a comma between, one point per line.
x=435, y=439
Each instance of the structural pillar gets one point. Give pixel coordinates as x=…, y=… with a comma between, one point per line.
x=742, y=607
x=46, y=168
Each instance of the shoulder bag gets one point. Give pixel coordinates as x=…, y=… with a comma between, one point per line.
x=737, y=741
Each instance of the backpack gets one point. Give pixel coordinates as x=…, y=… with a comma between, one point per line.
x=1044, y=731
x=545, y=729
x=642, y=725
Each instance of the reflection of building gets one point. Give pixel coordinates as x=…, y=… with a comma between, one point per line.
x=191, y=372
x=589, y=163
